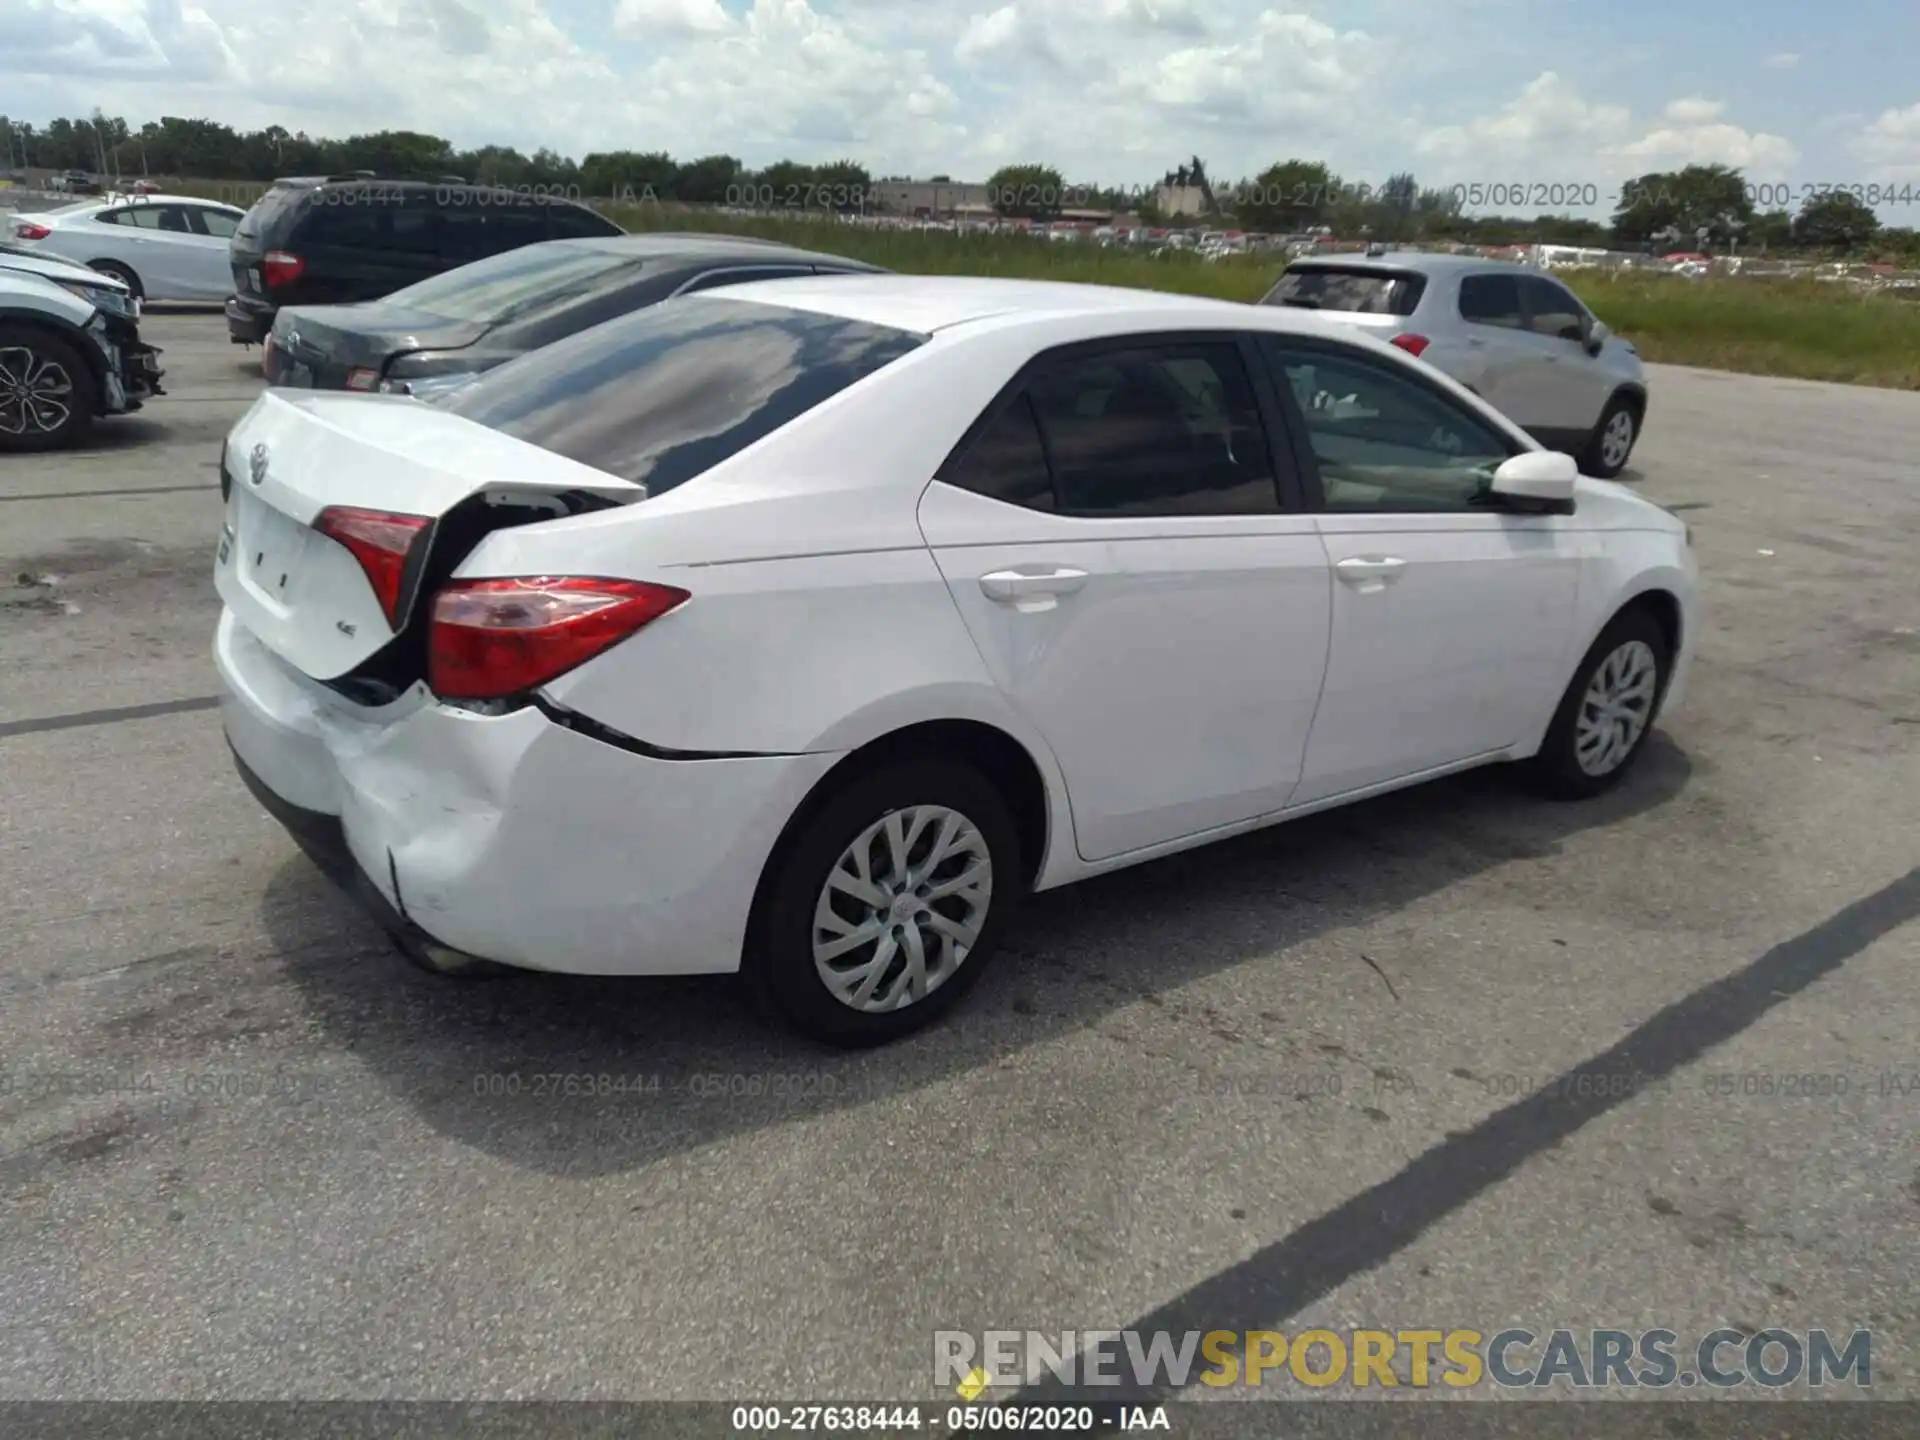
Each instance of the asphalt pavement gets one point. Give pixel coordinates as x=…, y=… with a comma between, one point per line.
x=1303, y=1078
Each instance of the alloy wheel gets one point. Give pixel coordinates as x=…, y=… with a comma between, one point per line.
x=1616, y=441
x=1616, y=708
x=36, y=392
x=902, y=908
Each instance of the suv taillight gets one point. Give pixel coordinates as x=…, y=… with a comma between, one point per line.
x=383, y=543
x=279, y=267
x=491, y=639
x=1411, y=343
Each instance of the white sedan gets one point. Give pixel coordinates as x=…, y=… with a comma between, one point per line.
x=162, y=247
x=802, y=627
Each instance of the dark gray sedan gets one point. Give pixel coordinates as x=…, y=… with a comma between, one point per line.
x=431, y=338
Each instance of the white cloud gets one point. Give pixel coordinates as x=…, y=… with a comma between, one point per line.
x=1551, y=135
x=670, y=19
x=1785, y=60
x=1890, y=146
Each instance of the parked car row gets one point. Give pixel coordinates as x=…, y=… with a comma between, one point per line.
x=798, y=628
x=361, y=282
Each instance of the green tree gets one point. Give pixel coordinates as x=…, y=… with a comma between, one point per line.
x=1710, y=197
x=706, y=181
x=1770, y=230
x=1835, y=220
x=621, y=173
x=1031, y=191
x=1289, y=196
x=841, y=185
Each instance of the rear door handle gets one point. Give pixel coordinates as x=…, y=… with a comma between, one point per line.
x=1016, y=586
x=1368, y=573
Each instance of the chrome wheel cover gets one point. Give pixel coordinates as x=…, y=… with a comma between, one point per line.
x=902, y=908
x=36, y=393
x=1616, y=708
x=1616, y=441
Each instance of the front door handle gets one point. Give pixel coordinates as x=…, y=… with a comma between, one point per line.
x=1368, y=573
x=1018, y=584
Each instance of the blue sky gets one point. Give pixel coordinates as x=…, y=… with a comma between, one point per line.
x=1114, y=91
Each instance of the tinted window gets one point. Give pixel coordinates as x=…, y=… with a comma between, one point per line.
x=173, y=218
x=217, y=223
x=144, y=217
x=366, y=220
x=1491, y=300
x=109, y=217
x=1552, y=310
x=475, y=232
x=661, y=395
x=1361, y=291
x=278, y=204
x=506, y=286
x=1160, y=431
x=1006, y=460
x=571, y=221
x=1385, y=441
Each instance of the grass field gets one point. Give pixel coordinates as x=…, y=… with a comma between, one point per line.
x=1803, y=329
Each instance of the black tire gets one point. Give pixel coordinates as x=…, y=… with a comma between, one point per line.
x=780, y=958
x=29, y=350
x=1557, y=770
x=123, y=274
x=1593, y=459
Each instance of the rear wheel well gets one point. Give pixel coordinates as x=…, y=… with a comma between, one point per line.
x=1003, y=760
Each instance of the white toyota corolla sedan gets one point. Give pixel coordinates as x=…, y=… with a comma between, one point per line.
x=801, y=627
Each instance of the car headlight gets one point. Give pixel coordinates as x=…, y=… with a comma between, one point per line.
x=102, y=298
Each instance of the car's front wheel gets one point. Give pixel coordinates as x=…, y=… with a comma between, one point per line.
x=46, y=390
x=1607, y=713
x=884, y=904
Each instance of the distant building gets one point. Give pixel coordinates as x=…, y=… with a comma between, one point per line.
x=934, y=199
x=1177, y=200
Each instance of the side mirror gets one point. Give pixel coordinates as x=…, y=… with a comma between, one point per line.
x=1597, y=334
x=1537, y=478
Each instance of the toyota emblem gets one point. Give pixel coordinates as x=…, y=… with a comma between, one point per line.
x=257, y=463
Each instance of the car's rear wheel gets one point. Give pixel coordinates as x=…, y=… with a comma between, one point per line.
x=123, y=274
x=884, y=903
x=1613, y=439
x=46, y=390
x=1604, y=719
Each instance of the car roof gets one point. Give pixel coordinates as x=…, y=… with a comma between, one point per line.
x=1419, y=262
x=925, y=303
x=108, y=202
x=695, y=246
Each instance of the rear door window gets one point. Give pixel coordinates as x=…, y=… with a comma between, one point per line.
x=1360, y=291
x=217, y=223
x=1161, y=430
x=662, y=395
x=1492, y=300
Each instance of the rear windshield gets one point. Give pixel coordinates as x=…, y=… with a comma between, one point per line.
x=661, y=395
x=271, y=208
x=512, y=284
x=1358, y=291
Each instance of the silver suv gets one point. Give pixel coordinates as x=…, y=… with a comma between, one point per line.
x=1513, y=335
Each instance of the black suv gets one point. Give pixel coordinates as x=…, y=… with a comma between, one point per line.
x=334, y=239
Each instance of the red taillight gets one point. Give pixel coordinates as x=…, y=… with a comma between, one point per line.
x=359, y=378
x=1411, y=343
x=277, y=267
x=495, y=638
x=27, y=230
x=382, y=542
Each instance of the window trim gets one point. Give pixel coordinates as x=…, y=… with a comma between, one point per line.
x=1308, y=463
x=1519, y=296
x=707, y=279
x=1290, y=496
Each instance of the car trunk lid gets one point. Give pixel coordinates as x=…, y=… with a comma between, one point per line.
x=295, y=455
x=320, y=346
